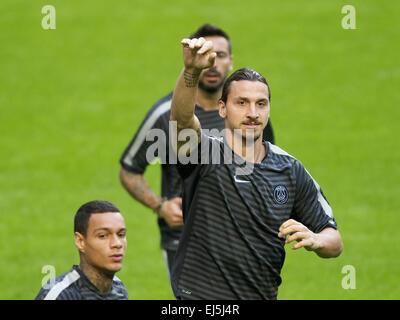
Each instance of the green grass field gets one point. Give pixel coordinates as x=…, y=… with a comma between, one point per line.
x=72, y=98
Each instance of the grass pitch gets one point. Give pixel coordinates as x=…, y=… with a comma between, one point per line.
x=72, y=98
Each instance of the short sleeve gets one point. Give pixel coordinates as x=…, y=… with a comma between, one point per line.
x=203, y=159
x=150, y=141
x=311, y=208
x=63, y=295
x=42, y=294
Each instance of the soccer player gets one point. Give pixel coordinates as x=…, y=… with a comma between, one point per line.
x=100, y=236
x=236, y=221
x=134, y=160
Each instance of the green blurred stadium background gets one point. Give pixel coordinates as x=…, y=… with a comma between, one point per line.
x=72, y=98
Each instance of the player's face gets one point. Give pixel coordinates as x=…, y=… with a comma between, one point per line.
x=105, y=241
x=212, y=79
x=247, y=108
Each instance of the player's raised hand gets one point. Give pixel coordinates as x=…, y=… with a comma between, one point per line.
x=198, y=54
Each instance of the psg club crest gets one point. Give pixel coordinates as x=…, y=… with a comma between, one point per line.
x=281, y=194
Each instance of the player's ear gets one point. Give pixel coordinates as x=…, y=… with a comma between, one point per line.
x=79, y=241
x=231, y=65
x=222, y=109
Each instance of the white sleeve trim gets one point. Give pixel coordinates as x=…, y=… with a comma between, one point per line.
x=325, y=206
x=55, y=291
x=141, y=136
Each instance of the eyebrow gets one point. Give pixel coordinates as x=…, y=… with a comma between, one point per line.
x=247, y=99
x=108, y=229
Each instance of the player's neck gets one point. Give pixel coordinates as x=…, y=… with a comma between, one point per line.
x=250, y=151
x=100, y=280
x=208, y=101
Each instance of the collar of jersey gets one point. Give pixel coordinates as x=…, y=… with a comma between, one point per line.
x=89, y=284
x=263, y=162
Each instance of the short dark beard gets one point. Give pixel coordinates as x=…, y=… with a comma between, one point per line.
x=209, y=89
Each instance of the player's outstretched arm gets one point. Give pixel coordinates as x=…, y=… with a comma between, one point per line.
x=138, y=188
x=197, y=55
x=326, y=244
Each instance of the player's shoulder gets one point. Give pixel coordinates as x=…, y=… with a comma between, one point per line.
x=279, y=154
x=162, y=106
x=60, y=287
x=119, y=290
x=280, y=160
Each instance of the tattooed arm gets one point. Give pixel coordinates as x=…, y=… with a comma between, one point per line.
x=138, y=187
x=197, y=55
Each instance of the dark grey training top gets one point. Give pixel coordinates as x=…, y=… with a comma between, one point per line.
x=74, y=285
x=230, y=247
x=134, y=158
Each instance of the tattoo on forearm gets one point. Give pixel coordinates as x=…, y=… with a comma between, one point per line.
x=191, y=79
x=143, y=193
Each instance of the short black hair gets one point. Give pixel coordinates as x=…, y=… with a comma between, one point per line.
x=82, y=216
x=243, y=74
x=209, y=30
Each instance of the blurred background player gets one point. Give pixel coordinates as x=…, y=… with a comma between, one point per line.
x=100, y=236
x=134, y=161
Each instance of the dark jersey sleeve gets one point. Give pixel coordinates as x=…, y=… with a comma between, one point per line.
x=201, y=159
x=42, y=294
x=192, y=171
x=119, y=291
x=66, y=294
x=150, y=140
x=69, y=295
x=311, y=207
